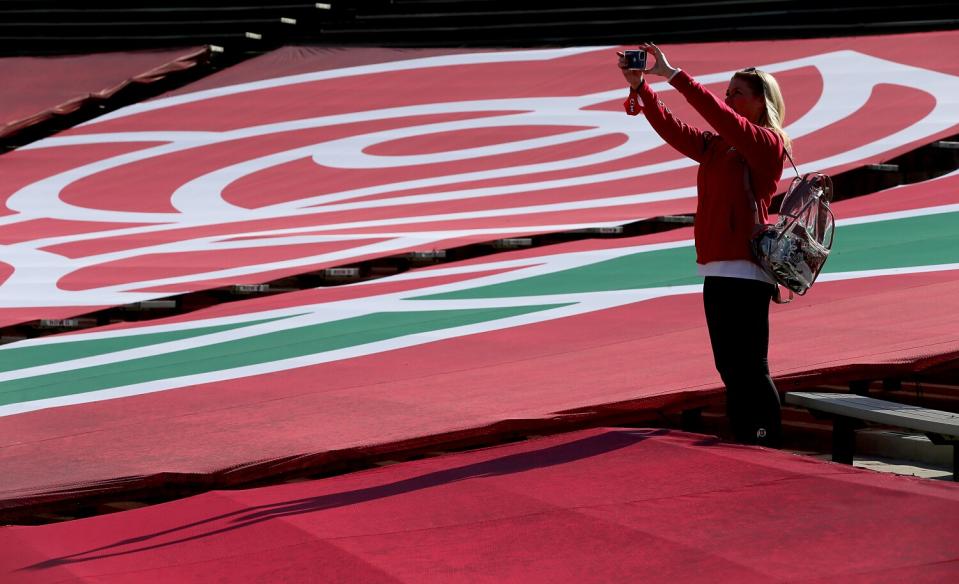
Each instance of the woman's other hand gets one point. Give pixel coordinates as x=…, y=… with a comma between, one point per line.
x=662, y=66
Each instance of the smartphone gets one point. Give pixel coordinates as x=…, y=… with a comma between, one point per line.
x=635, y=59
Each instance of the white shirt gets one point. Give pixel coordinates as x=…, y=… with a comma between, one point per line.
x=744, y=269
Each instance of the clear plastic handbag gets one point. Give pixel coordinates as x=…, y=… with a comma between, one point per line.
x=794, y=250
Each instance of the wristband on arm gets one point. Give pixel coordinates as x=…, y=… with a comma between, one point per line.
x=633, y=105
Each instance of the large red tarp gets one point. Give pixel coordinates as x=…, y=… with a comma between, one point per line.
x=640, y=356
x=603, y=505
x=270, y=161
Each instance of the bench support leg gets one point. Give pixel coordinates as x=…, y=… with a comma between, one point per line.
x=843, y=439
x=940, y=440
x=692, y=420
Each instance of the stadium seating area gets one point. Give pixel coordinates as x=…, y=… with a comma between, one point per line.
x=56, y=26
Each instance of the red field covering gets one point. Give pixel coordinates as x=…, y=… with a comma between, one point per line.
x=603, y=505
x=418, y=147
x=306, y=159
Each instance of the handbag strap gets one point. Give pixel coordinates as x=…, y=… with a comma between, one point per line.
x=786, y=152
x=748, y=185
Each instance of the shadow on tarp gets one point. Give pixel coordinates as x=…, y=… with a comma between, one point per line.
x=80, y=500
x=511, y=464
x=72, y=498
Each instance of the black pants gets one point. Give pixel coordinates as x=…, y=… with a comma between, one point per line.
x=737, y=314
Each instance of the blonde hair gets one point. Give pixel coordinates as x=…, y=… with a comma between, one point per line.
x=774, y=114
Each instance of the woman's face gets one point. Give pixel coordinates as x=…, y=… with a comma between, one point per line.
x=741, y=99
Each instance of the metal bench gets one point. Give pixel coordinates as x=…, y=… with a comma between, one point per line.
x=848, y=411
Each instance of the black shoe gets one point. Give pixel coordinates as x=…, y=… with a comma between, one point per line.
x=766, y=438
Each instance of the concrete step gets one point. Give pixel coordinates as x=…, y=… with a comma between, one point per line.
x=902, y=445
x=891, y=465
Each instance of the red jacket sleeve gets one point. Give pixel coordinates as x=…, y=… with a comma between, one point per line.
x=687, y=140
x=759, y=146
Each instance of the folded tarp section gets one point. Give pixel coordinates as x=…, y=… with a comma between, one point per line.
x=603, y=505
x=312, y=158
x=514, y=342
x=39, y=90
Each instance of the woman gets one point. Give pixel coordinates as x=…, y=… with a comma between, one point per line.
x=739, y=170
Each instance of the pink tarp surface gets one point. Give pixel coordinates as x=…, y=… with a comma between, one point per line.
x=603, y=505
x=35, y=86
x=637, y=357
x=311, y=158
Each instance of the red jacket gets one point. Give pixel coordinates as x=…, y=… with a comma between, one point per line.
x=724, y=215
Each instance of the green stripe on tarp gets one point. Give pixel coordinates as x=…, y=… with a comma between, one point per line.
x=925, y=240
x=912, y=241
x=651, y=269
x=264, y=348
x=20, y=358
